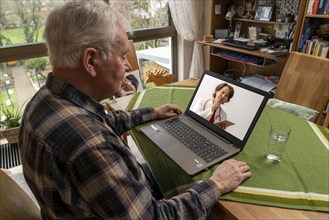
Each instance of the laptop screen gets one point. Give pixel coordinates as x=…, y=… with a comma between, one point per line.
x=228, y=107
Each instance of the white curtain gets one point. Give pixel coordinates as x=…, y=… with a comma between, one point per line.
x=187, y=16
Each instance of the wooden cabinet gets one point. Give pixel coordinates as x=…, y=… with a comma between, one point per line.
x=270, y=65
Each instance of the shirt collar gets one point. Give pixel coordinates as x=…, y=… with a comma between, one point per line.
x=72, y=94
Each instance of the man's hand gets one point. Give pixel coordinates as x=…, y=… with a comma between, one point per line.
x=230, y=174
x=167, y=110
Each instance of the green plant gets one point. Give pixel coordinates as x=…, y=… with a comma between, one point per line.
x=39, y=63
x=12, y=116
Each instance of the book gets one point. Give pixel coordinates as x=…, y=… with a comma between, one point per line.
x=322, y=31
x=320, y=49
x=309, y=7
x=308, y=46
x=316, y=48
x=315, y=6
x=324, y=51
x=306, y=34
x=314, y=42
x=325, y=7
x=320, y=8
x=324, y=26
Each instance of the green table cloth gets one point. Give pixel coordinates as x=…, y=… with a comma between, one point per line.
x=300, y=181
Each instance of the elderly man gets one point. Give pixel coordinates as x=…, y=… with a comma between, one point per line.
x=73, y=158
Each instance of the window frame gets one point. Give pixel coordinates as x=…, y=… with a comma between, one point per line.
x=33, y=50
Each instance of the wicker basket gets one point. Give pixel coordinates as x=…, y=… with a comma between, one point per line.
x=11, y=134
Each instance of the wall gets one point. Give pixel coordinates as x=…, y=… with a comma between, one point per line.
x=184, y=57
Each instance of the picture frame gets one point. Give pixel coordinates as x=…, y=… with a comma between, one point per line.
x=249, y=5
x=264, y=12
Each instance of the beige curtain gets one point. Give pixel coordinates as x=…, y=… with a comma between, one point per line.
x=187, y=16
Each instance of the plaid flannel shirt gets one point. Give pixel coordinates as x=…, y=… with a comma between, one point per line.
x=77, y=166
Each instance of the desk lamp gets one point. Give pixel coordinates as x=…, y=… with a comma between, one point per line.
x=229, y=16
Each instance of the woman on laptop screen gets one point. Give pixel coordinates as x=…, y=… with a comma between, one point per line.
x=211, y=110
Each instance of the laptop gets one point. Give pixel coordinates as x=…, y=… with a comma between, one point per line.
x=213, y=142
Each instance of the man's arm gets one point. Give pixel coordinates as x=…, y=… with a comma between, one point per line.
x=115, y=187
x=124, y=121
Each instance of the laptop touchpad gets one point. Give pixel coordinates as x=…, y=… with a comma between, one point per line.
x=164, y=140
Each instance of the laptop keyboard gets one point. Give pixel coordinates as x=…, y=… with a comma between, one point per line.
x=196, y=142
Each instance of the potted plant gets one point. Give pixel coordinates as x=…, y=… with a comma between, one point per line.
x=10, y=122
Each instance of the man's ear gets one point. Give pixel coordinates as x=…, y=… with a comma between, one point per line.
x=88, y=59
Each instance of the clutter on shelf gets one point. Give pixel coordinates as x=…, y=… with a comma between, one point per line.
x=265, y=83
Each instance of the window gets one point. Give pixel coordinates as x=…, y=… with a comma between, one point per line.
x=144, y=14
x=23, y=52
x=23, y=21
x=150, y=19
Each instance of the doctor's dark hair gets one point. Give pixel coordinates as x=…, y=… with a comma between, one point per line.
x=222, y=85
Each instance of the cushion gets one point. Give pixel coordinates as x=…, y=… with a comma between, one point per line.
x=150, y=65
x=297, y=110
x=155, y=74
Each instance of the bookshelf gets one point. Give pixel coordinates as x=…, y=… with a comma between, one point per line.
x=269, y=65
x=314, y=35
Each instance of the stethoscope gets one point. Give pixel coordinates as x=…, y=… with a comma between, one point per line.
x=218, y=116
x=220, y=109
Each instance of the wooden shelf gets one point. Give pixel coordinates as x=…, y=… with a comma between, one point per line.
x=264, y=64
x=218, y=62
x=317, y=16
x=259, y=21
x=245, y=51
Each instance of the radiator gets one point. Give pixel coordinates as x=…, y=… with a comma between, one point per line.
x=9, y=156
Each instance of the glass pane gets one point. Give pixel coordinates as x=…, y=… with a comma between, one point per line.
x=148, y=14
x=143, y=14
x=23, y=21
x=154, y=58
x=19, y=80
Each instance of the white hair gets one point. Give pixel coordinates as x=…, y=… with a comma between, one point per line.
x=77, y=25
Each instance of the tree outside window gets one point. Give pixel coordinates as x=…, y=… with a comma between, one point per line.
x=22, y=22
